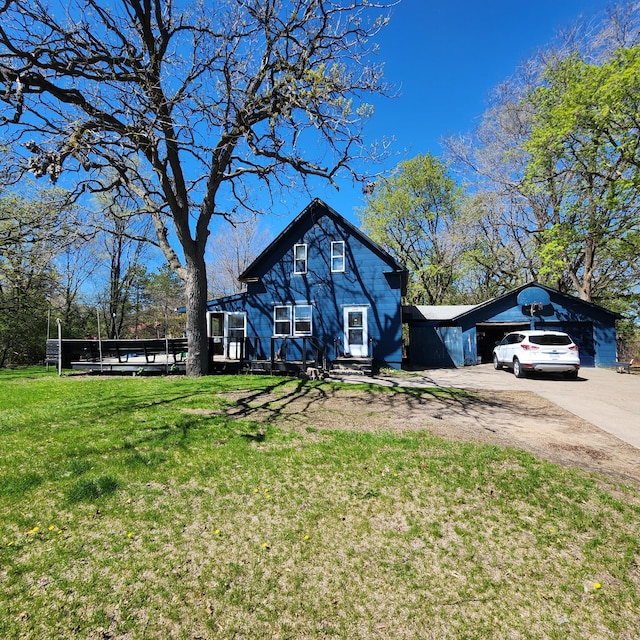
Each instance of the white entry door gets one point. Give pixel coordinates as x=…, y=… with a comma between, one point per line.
x=356, y=338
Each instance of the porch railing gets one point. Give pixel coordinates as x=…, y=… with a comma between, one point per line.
x=302, y=349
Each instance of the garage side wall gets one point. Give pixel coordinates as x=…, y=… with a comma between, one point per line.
x=433, y=346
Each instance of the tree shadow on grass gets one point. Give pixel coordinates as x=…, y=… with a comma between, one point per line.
x=398, y=406
x=277, y=400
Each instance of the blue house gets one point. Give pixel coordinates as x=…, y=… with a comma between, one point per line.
x=321, y=293
x=442, y=336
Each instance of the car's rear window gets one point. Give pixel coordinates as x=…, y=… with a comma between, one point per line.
x=551, y=340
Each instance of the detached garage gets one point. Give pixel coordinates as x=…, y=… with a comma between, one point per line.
x=454, y=336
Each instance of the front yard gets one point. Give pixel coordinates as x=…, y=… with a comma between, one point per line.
x=240, y=507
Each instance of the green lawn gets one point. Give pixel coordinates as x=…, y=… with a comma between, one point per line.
x=139, y=508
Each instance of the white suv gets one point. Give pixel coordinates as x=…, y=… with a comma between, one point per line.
x=550, y=351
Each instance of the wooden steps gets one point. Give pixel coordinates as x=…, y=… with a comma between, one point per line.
x=346, y=366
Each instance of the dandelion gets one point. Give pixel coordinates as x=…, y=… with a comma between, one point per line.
x=217, y=532
x=306, y=537
x=34, y=530
x=130, y=534
x=52, y=528
x=10, y=544
x=597, y=585
x=265, y=545
x=255, y=491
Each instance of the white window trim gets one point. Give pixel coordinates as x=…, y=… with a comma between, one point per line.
x=275, y=322
x=306, y=258
x=292, y=319
x=236, y=314
x=341, y=255
x=295, y=318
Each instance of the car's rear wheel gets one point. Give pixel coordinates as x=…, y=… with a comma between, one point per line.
x=571, y=375
x=496, y=362
x=518, y=371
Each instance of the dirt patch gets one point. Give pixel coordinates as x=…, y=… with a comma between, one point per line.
x=518, y=419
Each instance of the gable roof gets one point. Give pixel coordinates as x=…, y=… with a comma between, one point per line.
x=314, y=210
x=550, y=291
x=456, y=312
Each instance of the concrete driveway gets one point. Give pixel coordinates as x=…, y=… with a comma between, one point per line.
x=606, y=399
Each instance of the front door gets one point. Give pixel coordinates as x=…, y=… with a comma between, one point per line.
x=356, y=339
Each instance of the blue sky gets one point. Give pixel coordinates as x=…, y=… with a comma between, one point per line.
x=445, y=57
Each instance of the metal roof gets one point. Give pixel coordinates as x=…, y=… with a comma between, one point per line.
x=439, y=312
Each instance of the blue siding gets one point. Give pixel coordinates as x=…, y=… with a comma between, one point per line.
x=592, y=327
x=369, y=280
x=433, y=346
x=452, y=339
x=469, y=348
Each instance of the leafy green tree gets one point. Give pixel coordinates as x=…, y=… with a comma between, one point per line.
x=414, y=214
x=164, y=292
x=585, y=159
x=32, y=233
x=191, y=106
x=514, y=211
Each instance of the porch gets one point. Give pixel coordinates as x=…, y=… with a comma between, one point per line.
x=295, y=356
x=277, y=355
x=158, y=355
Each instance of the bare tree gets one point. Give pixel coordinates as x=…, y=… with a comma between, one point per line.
x=124, y=247
x=190, y=105
x=229, y=257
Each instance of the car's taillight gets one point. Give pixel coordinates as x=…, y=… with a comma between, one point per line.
x=573, y=347
x=529, y=347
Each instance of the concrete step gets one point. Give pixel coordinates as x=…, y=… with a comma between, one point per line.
x=352, y=366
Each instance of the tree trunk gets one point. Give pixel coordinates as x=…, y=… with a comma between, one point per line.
x=196, y=307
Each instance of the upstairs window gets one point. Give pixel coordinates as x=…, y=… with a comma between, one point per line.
x=300, y=258
x=337, y=256
x=282, y=320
